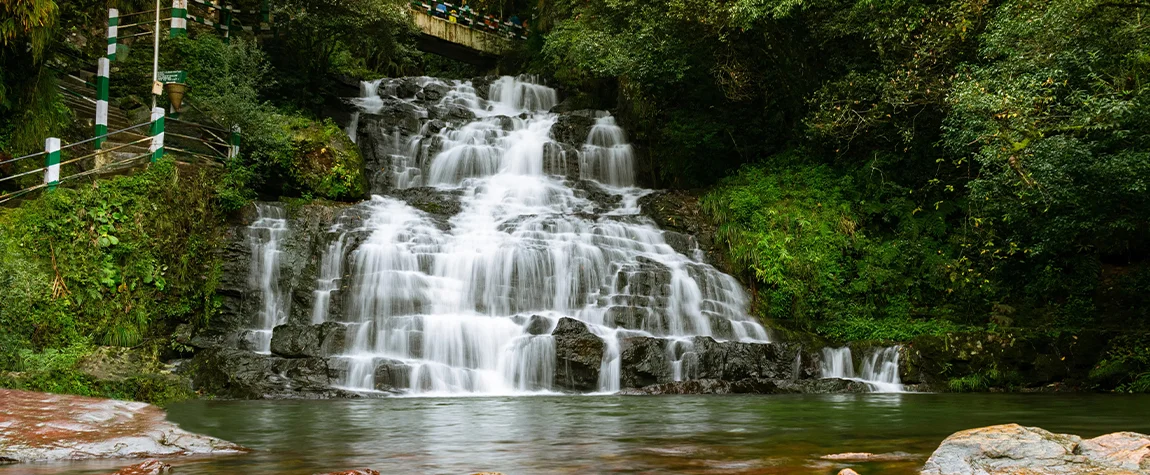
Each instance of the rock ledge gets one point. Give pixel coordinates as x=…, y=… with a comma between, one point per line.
x=36, y=427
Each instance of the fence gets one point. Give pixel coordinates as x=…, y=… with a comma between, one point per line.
x=472, y=19
x=120, y=156
x=125, y=147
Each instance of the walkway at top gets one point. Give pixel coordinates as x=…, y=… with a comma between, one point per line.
x=462, y=34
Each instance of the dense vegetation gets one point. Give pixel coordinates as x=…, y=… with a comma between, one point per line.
x=899, y=167
x=121, y=262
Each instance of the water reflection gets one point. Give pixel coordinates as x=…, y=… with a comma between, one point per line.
x=582, y=434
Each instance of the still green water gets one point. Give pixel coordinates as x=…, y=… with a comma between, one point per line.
x=608, y=434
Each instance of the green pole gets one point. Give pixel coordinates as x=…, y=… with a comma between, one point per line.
x=157, y=133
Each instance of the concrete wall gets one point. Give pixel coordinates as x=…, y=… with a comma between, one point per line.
x=480, y=41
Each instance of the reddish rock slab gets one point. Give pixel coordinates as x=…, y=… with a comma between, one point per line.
x=362, y=471
x=37, y=427
x=147, y=467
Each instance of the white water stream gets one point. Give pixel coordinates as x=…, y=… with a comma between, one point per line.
x=879, y=368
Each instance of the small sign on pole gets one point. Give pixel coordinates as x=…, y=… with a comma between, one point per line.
x=172, y=76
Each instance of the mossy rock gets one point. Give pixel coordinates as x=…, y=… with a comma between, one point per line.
x=326, y=163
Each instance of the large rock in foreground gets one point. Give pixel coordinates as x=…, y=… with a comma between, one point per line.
x=38, y=427
x=1014, y=449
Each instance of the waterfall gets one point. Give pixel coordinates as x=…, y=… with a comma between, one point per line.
x=606, y=156
x=466, y=304
x=264, y=237
x=330, y=272
x=879, y=368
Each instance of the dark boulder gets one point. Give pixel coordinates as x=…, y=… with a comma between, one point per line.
x=434, y=201
x=391, y=375
x=644, y=362
x=301, y=341
x=573, y=128
x=432, y=92
x=578, y=355
x=234, y=373
x=482, y=85
x=733, y=360
x=538, y=325
x=406, y=88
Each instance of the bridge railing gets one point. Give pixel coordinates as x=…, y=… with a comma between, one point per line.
x=471, y=19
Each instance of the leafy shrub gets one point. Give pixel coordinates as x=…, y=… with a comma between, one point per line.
x=114, y=262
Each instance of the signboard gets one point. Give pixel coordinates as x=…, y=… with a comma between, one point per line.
x=157, y=88
x=172, y=76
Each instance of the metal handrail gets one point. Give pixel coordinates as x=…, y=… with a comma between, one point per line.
x=18, y=175
x=14, y=194
x=137, y=13
x=37, y=154
x=173, y=119
x=197, y=139
x=109, y=134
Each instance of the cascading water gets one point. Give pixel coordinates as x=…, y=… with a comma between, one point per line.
x=879, y=368
x=264, y=237
x=451, y=307
x=330, y=273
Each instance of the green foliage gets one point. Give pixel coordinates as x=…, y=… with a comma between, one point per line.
x=284, y=152
x=322, y=39
x=984, y=380
x=119, y=262
x=1126, y=364
x=326, y=163
x=957, y=157
x=825, y=259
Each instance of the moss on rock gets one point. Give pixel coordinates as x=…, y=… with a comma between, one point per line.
x=325, y=162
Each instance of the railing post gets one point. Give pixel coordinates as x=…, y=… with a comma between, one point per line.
x=113, y=32
x=52, y=173
x=226, y=22
x=102, y=73
x=265, y=15
x=157, y=133
x=179, y=18
x=234, y=142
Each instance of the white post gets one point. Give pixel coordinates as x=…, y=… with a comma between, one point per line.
x=157, y=132
x=113, y=32
x=52, y=174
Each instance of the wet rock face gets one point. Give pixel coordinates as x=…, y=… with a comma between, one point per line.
x=572, y=128
x=578, y=354
x=733, y=361
x=38, y=427
x=242, y=374
x=678, y=212
x=302, y=341
x=1011, y=449
x=644, y=362
x=442, y=204
x=751, y=386
x=432, y=92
